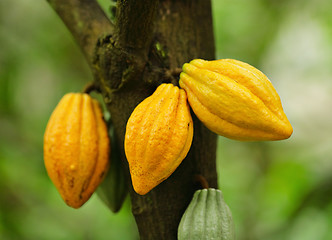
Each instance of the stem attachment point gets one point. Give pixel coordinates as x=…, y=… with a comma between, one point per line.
x=201, y=180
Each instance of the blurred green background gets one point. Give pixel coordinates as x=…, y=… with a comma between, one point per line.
x=276, y=190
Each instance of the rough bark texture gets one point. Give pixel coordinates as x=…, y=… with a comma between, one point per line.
x=151, y=39
x=85, y=20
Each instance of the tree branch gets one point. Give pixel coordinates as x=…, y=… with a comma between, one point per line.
x=126, y=65
x=85, y=20
x=134, y=24
x=122, y=59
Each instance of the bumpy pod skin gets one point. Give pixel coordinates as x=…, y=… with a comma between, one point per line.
x=158, y=137
x=207, y=218
x=76, y=148
x=235, y=100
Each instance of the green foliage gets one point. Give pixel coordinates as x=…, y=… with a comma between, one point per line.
x=281, y=190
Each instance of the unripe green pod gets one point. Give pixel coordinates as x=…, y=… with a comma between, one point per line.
x=207, y=218
x=114, y=189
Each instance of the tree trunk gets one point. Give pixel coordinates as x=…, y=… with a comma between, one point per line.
x=148, y=43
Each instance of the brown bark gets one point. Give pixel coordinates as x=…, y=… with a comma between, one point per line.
x=150, y=41
x=85, y=20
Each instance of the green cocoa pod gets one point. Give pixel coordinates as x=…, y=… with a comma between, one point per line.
x=207, y=218
x=113, y=190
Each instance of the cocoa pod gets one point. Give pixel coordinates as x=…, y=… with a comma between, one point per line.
x=158, y=137
x=76, y=148
x=235, y=100
x=207, y=218
x=114, y=189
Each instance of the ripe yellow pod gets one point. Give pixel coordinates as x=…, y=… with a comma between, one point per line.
x=235, y=100
x=158, y=137
x=76, y=148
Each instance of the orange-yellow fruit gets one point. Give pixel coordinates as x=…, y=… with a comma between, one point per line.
x=76, y=148
x=235, y=100
x=158, y=137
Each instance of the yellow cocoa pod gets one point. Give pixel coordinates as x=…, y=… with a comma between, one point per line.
x=158, y=137
x=235, y=100
x=76, y=148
